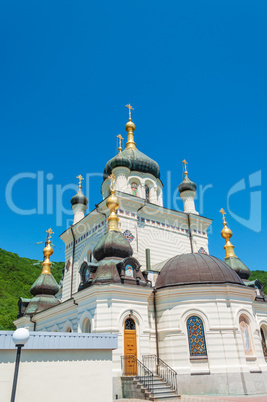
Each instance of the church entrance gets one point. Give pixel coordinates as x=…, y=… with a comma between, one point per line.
x=130, y=348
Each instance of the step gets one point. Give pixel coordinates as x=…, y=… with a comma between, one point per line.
x=163, y=398
x=159, y=386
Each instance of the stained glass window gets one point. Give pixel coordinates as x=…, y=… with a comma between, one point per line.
x=196, y=337
x=202, y=251
x=263, y=342
x=130, y=324
x=134, y=188
x=129, y=236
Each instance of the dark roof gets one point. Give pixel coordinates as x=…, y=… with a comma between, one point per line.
x=79, y=198
x=135, y=161
x=45, y=284
x=186, y=185
x=238, y=266
x=40, y=303
x=186, y=269
x=112, y=244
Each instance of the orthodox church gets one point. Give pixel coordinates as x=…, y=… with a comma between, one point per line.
x=142, y=271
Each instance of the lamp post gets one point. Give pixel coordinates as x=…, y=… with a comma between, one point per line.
x=20, y=337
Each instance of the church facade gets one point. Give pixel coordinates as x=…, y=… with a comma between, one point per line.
x=144, y=272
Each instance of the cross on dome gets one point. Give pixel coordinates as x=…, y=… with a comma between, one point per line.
x=80, y=180
x=130, y=108
x=222, y=211
x=120, y=138
x=50, y=232
x=185, y=167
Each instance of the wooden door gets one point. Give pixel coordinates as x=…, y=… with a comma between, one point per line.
x=130, y=348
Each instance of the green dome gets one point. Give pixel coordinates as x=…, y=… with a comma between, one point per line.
x=45, y=284
x=238, y=266
x=187, y=185
x=79, y=198
x=112, y=244
x=134, y=160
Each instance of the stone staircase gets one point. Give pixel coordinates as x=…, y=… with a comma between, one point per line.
x=151, y=379
x=160, y=390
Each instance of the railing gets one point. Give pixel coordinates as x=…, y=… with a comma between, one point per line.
x=160, y=368
x=131, y=366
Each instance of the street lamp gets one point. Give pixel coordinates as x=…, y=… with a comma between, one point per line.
x=20, y=337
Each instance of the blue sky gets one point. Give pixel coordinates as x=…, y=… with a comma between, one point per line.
x=195, y=73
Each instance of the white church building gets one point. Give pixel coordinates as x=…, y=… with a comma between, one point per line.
x=144, y=272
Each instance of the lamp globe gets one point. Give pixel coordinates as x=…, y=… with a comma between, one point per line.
x=21, y=336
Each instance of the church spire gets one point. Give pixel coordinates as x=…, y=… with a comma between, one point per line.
x=79, y=202
x=113, y=205
x=130, y=127
x=187, y=190
x=120, y=138
x=48, y=251
x=227, y=234
x=45, y=287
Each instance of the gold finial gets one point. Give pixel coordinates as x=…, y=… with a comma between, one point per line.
x=185, y=167
x=130, y=127
x=48, y=251
x=113, y=205
x=130, y=108
x=227, y=233
x=120, y=138
x=80, y=180
x=50, y=232
x=222, y=211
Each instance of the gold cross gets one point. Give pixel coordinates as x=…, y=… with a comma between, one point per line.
x=49, y=231
x=80, y=180
x=185, y=163
x=223, y=214
x=120, y=138
x=112, y=178
x=130, y=108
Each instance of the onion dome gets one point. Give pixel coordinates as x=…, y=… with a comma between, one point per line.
x=230, y=258
x=113, y=243
x=45, y=287
x=79, y=198
x=46, y=284
x=187, y=184
x=131, y=157
x=196, y=269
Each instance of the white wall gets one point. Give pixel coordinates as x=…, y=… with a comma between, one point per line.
x=57, y=375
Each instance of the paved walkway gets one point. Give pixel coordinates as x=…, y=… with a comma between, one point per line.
x=192, y=398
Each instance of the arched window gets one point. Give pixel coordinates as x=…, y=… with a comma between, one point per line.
x=246, y=336
x=129, y=324
x=68, y=329
x=86, y=327
x=263, y=342
x=85, y=272
x=196, y=337
x=147, y=193
x=134, y=188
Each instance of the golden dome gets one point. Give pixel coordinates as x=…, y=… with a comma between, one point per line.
x=227, y=233
x=130, y=125
x=112, y=202
x=48, y=251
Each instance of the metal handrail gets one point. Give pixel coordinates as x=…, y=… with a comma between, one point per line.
x=131, y=366
x=162, y=369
